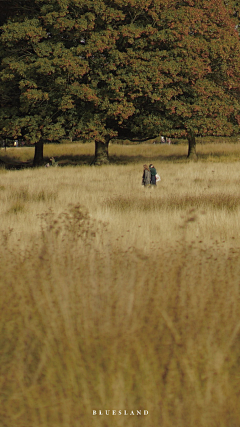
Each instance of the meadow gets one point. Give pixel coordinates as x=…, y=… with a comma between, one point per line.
x=119, y=297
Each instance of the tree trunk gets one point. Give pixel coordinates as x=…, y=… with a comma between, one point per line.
x=192, y=154
x=38, y=155
x=101, y=152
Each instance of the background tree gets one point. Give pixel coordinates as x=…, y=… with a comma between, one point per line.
x=205, y=50
x=101, y=69
x=35, y=79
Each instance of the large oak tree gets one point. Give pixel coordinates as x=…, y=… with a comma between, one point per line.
x=101, y=69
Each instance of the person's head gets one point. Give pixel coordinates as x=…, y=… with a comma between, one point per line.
x=151, y=166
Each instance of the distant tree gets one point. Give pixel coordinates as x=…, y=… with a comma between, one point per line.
x=202, y=63
x=102, y=69
x=33, y=102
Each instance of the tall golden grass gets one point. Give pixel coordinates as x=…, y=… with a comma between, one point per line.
x=119, y=297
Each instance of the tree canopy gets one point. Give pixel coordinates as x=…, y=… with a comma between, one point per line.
x=127, y=68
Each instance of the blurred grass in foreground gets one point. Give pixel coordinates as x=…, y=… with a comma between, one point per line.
x=86, y=326
x=115, y=296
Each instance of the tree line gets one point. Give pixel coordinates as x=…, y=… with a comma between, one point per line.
x=97, y=70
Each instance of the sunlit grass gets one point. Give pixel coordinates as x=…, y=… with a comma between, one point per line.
x=221, y=150
x=115, y=296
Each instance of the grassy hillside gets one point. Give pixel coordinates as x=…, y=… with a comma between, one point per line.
x=118, y=297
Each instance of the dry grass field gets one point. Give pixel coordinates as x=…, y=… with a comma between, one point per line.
x=119, y=297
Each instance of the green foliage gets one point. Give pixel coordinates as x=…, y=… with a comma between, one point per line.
x=101, y=69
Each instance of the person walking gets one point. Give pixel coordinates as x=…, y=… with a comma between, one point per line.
x=146, y=178
x=153, y=174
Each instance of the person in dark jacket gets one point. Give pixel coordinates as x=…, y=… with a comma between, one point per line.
x=146, y=178
x=153, y=174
